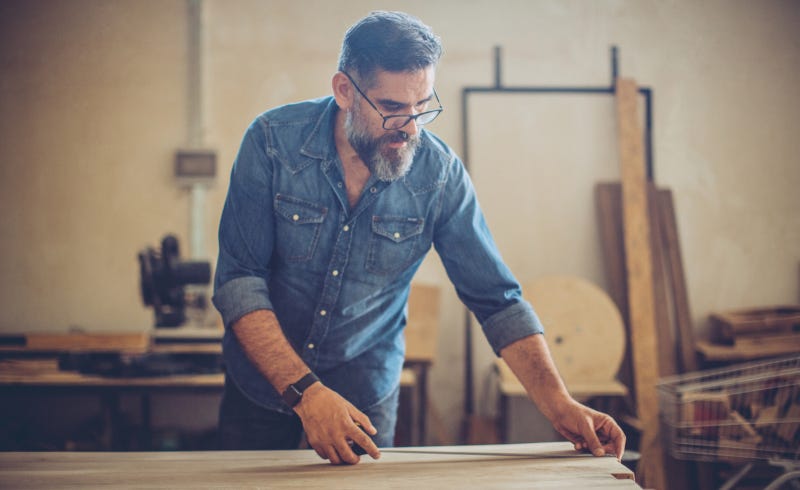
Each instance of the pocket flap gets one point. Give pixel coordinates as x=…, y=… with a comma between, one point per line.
x=397, y=229
x=299, y=211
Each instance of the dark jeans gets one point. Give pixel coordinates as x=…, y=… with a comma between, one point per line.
x=243, y=425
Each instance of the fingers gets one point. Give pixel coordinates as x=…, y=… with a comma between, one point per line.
x=334, y=426
x=366, y=443
x=363, y=421
x=617, y=446
x=365, y=427
x=349, y=452
x=345, y=453
x=591, y=441
x=337, y=449
x=597, y=433
x=612, y=436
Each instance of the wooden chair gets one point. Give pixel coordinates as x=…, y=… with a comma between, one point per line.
x=421, y=340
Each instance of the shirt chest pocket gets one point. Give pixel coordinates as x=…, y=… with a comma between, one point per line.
x=298, y=225
x=394, y=243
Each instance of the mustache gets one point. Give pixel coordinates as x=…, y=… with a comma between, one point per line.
x=397, y=137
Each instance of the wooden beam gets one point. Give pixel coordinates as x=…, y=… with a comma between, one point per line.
x=677, y=281
x=662, y=297
x=639, y=267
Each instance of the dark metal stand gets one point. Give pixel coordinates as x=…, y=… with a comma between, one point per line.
x=499, y=88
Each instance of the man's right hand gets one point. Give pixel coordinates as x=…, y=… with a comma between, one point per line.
x=331, y=422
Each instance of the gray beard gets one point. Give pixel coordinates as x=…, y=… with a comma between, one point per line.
x=387, y=165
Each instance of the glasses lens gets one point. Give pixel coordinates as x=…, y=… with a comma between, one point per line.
x=396, y=122
x=427, y=117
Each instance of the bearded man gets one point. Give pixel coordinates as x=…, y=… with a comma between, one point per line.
x=332, y=206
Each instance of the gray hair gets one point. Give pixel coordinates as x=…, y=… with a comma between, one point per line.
x=390, y=41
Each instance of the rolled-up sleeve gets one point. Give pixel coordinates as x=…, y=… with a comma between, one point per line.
x=246, y=232
x=470, y=256
x=511, y=324
x=241, y=296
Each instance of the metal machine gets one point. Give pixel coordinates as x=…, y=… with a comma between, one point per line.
x=164, y=277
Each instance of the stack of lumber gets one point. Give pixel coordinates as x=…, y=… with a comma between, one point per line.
x=753, y=333
x=755, y=326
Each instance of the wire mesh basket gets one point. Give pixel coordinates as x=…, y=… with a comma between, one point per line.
x=749, y=411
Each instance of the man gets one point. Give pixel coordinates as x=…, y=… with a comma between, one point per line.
x=333, y=204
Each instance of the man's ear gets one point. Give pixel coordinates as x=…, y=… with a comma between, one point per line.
x=343, y=90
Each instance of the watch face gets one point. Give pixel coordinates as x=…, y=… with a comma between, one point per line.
x=294, y=392
x=292, y=395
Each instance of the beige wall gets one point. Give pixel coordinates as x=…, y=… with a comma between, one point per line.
x=93, y=106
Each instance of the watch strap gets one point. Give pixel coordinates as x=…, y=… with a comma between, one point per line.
x=294, y=392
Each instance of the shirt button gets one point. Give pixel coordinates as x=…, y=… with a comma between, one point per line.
x=396, y=235
x=335, y=273
x=346, y=228
x=373, y=190
x=323, y=312
x=310, y=346
x=295, y=217
x=340, y=185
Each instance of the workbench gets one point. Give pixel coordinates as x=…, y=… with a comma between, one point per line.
x=32, y=369
x=543, y=465
x=42, y=377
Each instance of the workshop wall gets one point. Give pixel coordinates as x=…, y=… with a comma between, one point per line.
x=93, y=106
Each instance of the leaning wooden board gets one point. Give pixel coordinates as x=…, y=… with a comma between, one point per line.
x=544, y=465
x=639, y=267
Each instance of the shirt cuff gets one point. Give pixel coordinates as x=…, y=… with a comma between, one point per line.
x=241, y=296
x=514, y=323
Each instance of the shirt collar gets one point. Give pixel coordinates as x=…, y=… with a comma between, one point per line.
x=320, y=143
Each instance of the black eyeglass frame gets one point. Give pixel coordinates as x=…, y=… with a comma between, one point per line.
x=410, y=117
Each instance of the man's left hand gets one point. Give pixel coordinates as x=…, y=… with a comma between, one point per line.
x=590, y=430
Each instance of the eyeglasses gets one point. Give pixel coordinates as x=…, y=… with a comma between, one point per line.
x=398, y=121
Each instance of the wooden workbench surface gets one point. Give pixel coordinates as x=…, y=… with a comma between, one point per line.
x=544, y=465
x=45, y=373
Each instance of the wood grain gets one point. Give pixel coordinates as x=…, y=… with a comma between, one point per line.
x=578, y=316
x=38, y=373
x=423, y=322
x=136, y=342
x=677, y=282
x=548, y=465
x=639, y=267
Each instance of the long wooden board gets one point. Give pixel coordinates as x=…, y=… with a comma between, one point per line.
x=677, y=282
x=134, y=342
x=546, y=465
x=662, y=294
x=639, y=267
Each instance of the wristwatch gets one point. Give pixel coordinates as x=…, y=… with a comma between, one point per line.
x=294, y=392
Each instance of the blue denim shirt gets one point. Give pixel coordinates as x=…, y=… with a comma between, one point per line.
x=338, y=277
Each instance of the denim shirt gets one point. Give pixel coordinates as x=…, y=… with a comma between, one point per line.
x=338, y=277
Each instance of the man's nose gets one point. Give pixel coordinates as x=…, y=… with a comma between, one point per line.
x=411, y=128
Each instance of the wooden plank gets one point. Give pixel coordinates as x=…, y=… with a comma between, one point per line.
x=677, y=282
x=422, y=327
x=749, y=350
x=40, y=373
x=662, y=299
x=639, y=265
x=136, y=342
x=545, y=465
x=608, y=199
x=732, y=325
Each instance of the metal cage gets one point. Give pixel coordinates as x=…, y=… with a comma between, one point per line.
x=740, y=414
